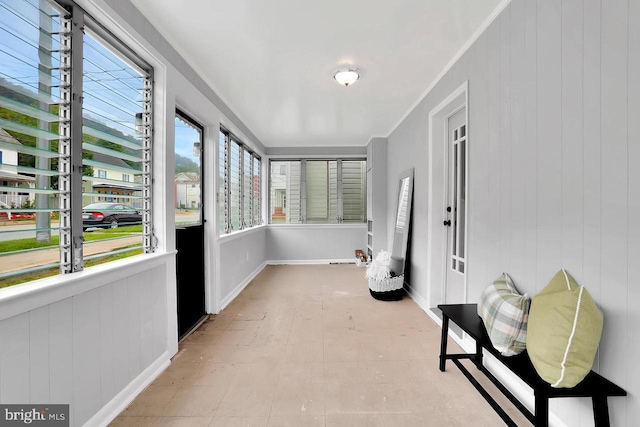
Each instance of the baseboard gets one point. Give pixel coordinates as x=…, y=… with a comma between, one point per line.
x=506, y=377
x=419, y=299
x=236, y=291
x=311, y=261
x=116, y=405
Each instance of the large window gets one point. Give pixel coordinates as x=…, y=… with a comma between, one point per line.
x=189, y=141
x=238, y=185
x=75, y=171
x=317, y=191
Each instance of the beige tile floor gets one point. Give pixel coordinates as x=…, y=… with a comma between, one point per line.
x=308, y=346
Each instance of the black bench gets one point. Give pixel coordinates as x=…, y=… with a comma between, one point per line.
x=594, y=385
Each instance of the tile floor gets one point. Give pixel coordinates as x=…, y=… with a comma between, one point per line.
x=308, y=346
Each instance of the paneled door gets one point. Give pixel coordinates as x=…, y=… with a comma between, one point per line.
x=456, y=220
x=188, y=189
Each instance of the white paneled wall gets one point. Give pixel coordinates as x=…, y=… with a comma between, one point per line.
x=85, y=349
x=241, y=257
x=309, y=243
x=554, y=116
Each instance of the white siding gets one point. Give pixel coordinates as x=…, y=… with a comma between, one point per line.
x=553, y=138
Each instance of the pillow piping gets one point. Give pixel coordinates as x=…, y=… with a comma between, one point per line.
x=573, y=331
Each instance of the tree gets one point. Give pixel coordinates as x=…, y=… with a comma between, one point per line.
x=185, y=164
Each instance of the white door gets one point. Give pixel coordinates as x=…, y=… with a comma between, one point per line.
x=456, y=221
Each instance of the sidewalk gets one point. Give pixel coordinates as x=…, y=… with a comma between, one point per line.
x=36, y=258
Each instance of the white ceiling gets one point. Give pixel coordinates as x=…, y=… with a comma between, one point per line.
x=273, y=61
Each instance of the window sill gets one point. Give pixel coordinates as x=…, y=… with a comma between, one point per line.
x=240, y=233
x=25, y=297
x=342, y=225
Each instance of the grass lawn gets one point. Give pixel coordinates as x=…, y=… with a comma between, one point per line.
x=10, y=281
x=32, y=243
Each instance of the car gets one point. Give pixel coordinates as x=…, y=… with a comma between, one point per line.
x=109, y=215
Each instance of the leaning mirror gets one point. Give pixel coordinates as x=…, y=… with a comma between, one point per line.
x=402, y=222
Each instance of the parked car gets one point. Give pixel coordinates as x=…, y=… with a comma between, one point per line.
x=109, y=215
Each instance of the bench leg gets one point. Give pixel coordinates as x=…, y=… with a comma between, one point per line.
x=542, y=411
x=600, y=411
x=478, y=358
x=443, y=341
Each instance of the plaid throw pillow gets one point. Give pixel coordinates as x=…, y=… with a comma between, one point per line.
x=504, y=313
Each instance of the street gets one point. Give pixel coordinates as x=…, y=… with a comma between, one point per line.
x=26, y=231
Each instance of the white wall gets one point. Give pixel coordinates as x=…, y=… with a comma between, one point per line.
x=92, y=342
x=241, y=257
x=554, y=101
x=306, y=243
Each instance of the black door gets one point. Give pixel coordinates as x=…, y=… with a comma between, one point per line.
x=189, y=193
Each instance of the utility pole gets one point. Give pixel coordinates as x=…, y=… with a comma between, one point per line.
x=43, y=218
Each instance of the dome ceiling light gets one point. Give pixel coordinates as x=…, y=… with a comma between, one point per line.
x=346, y=77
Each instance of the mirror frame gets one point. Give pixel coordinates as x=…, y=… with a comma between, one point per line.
x=401, y=235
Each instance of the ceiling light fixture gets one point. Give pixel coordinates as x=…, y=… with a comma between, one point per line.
x=346, y=77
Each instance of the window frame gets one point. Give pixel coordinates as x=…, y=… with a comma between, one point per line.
x=74, y=20
x=303, y=189
x=245, y=194
x=71, y=232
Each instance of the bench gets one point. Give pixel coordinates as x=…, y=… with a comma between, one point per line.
x=466, y=317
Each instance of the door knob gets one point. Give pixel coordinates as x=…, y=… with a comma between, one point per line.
x=447, y=223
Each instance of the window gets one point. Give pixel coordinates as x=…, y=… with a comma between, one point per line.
x=235, y=182
x=189, y=143
x=354, y=195
x=286, y=194
x=321, y=181
x=126, y=177
x=458, y=198
x=255, y=184
x=317, y=191
x=238, y=185
x=55, y=145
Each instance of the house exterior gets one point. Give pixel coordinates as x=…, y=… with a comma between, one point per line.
x=113, y=181
x=9, y=175
x=187, y=190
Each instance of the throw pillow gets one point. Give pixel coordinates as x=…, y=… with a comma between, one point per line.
x=565, y=327
x=504, y=313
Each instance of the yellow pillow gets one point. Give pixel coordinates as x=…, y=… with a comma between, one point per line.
x=564, y=331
